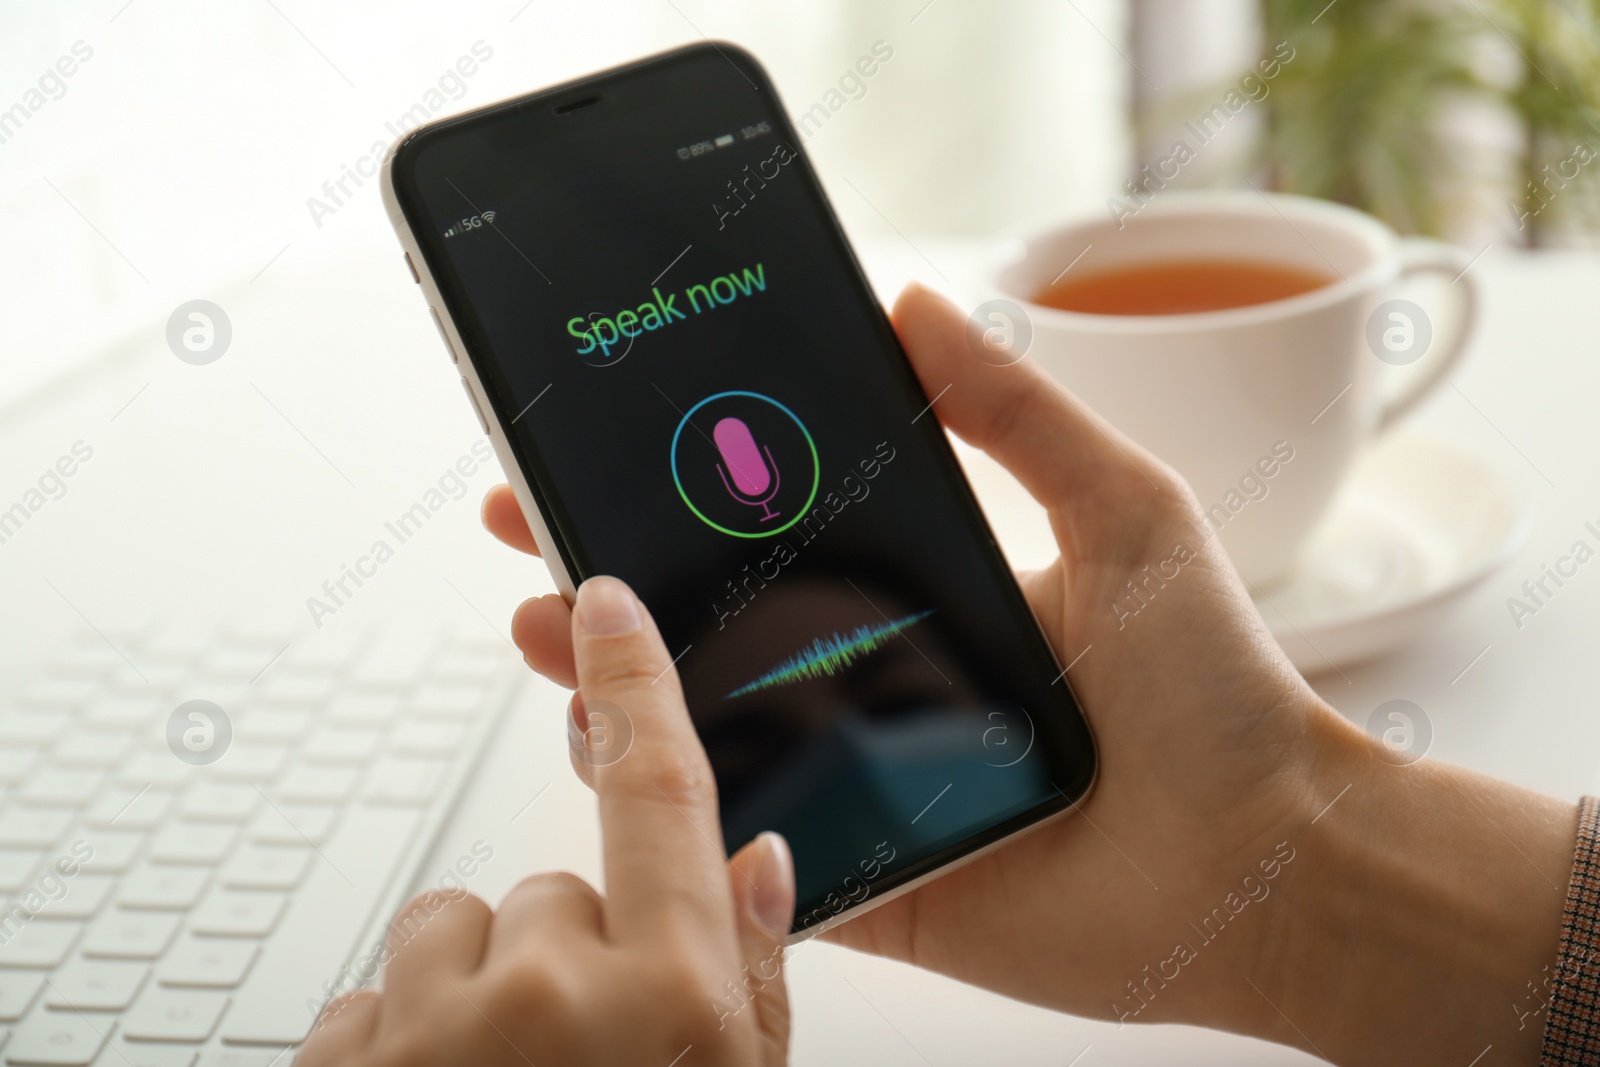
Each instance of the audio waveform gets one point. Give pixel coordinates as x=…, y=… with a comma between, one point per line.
x=829, y=655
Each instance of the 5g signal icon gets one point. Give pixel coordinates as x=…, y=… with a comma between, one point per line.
x=472, y=222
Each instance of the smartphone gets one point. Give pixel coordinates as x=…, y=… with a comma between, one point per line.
x=691, y=387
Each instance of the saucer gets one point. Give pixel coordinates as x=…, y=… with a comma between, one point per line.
x=1419, y=525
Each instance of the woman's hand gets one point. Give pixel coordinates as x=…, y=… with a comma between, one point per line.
x=1248, y=860
x=681, y=962
x=1201, y=723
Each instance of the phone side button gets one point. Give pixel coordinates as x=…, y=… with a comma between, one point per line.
x=412, y=267
x=475, y=407
x=448, y=347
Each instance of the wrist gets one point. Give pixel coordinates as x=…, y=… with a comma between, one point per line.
x=1415, y=887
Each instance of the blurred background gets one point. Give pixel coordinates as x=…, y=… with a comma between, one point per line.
x=154, y=152
x=185, y=148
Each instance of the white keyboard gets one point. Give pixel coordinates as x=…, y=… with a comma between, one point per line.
x=165, y=911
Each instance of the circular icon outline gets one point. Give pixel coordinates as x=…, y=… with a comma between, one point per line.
x=587, y=362
x=816, y=465
x=1033, y=734
x=180, y=322
x=1416, y=722
x=215, y=721
x=1414, y=319
x=604, y=719
x=1017, y=318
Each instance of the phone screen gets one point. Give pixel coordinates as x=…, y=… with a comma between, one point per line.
x=711, y=405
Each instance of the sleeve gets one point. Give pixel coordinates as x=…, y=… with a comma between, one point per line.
x=1572, y=1022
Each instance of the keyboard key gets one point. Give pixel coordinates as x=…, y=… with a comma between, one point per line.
x=207, y=963
x=309, y=784
x=62, y=787
x=450, y=700
x=129, y=935
x=85, y=895
x=17, y=990
x=39, y=945
x=225, y=664
x=166, y=675
x=17, y=867
x=96, y=985
x=322, y=927
x=162, y=888
x=236, y=913
x=428, y=738
x=86, y=660
x=296, y=691
x=252, y=763
x=266, y=867
x=342, y=745
x=219, y=802
x=293, y=824
x=281, y=726
x=83, y=748
x=57, y=1039
x=196, y=843
x=174, y=1015
x=160, y=769
x=130, y=808
x=123, y=711
x=63, y=692
x=123, y=1053
x=363, y=709
x=34, y=729
x=15, y=762
x=111, y=851
x=33, y=827
x=411, y=782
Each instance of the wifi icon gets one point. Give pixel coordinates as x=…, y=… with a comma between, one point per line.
x=488, y=216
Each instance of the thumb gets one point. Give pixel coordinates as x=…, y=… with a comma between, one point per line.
x=1064, y=454
x=761, y=878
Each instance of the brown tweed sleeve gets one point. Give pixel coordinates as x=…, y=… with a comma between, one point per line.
x=1572, y=1023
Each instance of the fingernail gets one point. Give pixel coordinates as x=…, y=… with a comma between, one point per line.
x=771, y=903
x=607, y=608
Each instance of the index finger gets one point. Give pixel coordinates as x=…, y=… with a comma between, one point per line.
x=502, y=516
x=664, y=860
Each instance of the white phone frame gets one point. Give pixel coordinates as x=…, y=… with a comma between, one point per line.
x=451, y=334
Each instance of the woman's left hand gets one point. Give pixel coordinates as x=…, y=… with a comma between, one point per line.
x=680, y=963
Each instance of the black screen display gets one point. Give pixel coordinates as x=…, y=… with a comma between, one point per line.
x=712, y=407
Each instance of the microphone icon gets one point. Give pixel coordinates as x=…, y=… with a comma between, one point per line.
x=747, y=466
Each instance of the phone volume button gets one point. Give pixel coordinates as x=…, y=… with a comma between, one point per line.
x=445, y=337
x=473, y=398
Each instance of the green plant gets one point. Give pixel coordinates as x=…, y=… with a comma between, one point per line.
x=1359, y=115
x=1556, y=98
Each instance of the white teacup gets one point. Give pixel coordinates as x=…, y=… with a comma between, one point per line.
x=1262, y=408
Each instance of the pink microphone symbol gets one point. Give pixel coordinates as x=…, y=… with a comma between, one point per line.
x=747, y=466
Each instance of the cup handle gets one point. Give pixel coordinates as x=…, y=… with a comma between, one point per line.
x=1422, y=255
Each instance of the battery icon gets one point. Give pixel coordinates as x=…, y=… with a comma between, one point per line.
x=725, y=140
